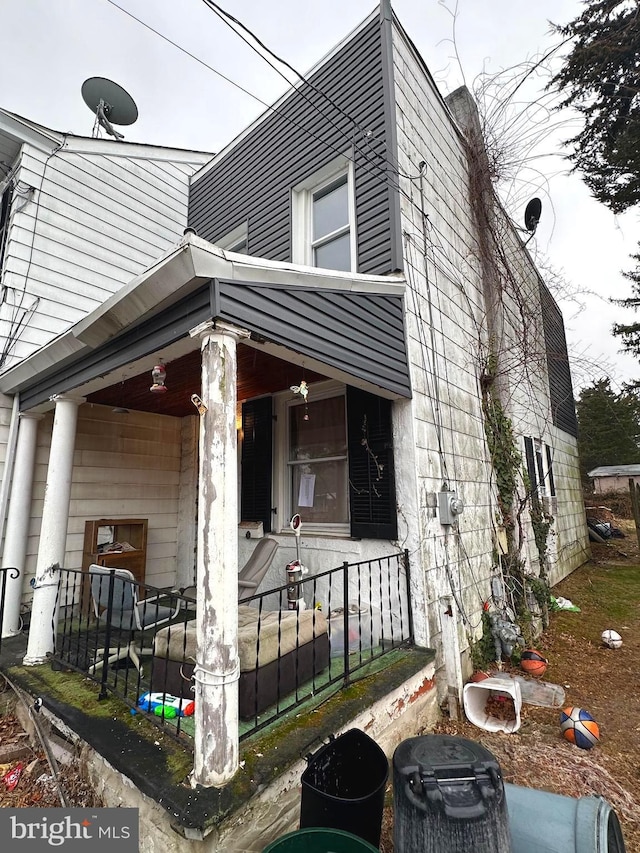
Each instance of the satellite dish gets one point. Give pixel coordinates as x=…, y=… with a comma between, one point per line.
x=110, y=103
x=532, y=214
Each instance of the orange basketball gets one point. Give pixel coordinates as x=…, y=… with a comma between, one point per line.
x=533, y=663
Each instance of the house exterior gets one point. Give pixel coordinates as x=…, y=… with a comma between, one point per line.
x=370, y=343
x=613, y=478
x=80, y=217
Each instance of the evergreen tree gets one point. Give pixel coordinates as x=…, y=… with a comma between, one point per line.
x=600, y=78
x=609, y=427
x=630, y=332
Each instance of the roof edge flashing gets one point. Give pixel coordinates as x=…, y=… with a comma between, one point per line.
x=142, y=295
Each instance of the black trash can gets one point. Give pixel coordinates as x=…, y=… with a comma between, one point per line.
x=448, y=797
x=343, y=786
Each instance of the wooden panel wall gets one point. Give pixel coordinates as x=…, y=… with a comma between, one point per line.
x=125, y=466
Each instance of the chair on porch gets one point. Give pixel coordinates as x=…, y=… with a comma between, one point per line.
x=127, y=613
x=252, y=573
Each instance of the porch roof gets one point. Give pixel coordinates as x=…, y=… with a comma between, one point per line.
x=349, y=326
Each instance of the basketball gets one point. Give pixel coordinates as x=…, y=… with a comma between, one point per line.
x=533, y=663
x=579, y=727
x=611, y=639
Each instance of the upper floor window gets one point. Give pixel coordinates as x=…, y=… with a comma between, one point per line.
x=236, y=240
x=324, y=218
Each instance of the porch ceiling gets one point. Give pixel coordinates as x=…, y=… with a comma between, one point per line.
x=258, y=373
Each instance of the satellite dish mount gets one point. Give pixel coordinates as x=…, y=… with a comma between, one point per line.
x=110, y=103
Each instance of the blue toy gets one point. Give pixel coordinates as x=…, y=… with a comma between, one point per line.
x=164, y=704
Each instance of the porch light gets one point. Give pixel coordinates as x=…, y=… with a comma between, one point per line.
x=158, y=374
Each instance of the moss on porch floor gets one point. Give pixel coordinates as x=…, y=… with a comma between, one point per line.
x=158, y=765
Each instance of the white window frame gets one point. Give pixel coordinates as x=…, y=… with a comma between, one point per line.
x=283, y=402
x=548, y=499
x=234, y=240
x=302, y=244
x=540, y=462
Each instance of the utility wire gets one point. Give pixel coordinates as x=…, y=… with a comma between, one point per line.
x=383, y=172
x=229, y=19
x=385, y=175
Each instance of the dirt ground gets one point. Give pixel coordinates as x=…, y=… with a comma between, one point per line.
x=603, y=681
x=38, y=783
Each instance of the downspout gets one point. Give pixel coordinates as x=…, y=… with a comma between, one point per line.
x=7, y=474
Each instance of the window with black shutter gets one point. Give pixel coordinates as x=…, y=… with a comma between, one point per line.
x=552, y=484
x=256, y=461
x=531, y=464
x=372, y=493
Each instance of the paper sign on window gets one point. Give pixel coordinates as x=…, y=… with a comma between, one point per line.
x=307, y=489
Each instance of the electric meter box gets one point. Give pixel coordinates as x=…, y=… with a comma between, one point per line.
x=449, y=507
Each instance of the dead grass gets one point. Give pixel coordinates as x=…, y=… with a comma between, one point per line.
x=604, y=681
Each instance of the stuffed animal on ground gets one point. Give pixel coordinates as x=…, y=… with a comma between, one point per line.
x=506, y=636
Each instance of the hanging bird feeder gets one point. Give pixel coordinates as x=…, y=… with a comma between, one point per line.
x=159, y=375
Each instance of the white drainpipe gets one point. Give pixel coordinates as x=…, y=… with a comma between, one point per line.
x=5, y=486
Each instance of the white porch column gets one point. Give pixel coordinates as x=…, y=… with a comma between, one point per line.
x=15, y=545
x=217, y=668
x=53, y=531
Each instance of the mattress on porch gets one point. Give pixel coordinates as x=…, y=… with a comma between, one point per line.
x=280, y=632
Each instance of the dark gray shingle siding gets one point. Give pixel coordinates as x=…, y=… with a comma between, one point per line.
x=560, y=386
x=253, y=182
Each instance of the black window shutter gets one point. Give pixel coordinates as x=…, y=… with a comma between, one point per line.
x=552, y=485
x=531, y=464
x=372, y=489
x=256, y=468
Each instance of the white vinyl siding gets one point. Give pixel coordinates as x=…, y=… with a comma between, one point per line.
x=97, y=220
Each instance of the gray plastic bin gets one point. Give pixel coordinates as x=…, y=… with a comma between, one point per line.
x=541, y=822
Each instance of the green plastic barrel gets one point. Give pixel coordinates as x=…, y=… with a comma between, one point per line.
x=320, y=840
x=541, y=822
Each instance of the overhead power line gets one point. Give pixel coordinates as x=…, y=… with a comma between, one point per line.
x=383, y=172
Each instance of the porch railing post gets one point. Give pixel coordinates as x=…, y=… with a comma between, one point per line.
x=345, y=616
x=107, y=638
x=407, y=571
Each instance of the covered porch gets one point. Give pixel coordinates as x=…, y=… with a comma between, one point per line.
x=220, y=455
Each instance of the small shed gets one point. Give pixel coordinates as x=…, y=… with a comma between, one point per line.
x=613, y=478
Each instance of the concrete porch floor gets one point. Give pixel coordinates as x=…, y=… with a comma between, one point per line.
x=135, y=764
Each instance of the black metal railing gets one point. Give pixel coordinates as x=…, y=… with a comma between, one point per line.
x=309, y=636
x=353, y=615
x=5, y=574
x=105, y=628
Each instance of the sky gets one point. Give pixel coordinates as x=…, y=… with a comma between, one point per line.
x=49, y=47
